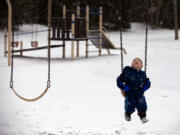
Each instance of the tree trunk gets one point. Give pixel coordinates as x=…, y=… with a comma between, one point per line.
x=175, y=20
x=158, y=12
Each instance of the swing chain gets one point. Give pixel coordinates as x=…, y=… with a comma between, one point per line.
x=146, y=42
x=49, y=61
x=12, y=56
x=146, y=39
x=121, y=48
x=12, y=66
x=48, y=84
x=121, y=38
x=49, y=69
x=11, y=84
x=49, y=42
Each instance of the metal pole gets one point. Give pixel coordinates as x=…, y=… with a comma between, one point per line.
x=9, y=30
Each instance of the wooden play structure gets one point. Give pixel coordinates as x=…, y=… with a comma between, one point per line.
x=69, y=27
x=75, y=28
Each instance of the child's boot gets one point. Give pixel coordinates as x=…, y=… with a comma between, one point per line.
x=144, y=120
x=127, y=116
x=142, y=116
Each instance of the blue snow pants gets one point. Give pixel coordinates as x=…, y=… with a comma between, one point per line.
x=135, y=100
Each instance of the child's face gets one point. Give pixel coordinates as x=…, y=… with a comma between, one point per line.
x=137, y=63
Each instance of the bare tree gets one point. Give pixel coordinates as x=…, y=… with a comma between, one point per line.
x=175, y=20
x=159, y=3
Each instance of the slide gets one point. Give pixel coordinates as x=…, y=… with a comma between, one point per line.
x=94, y=37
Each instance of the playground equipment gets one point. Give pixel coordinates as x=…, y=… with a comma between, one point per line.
x=71, y=27
x=74, y=28
x=34, y=44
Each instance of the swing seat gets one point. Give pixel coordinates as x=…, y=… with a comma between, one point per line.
x=34, y=44
x=15, y=44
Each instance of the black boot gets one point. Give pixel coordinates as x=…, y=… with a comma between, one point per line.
x=142, y=116
x=127, y=116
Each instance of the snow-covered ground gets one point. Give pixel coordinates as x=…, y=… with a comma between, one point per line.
x=83, y=98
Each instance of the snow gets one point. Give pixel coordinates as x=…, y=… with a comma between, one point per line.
x=83, y=98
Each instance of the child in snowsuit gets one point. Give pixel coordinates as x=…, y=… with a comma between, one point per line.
x=133, y=83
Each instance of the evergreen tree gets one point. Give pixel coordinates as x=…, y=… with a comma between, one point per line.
x=35, y=11
x=3, y=14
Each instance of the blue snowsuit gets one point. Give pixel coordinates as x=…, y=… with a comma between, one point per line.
x=134, y=83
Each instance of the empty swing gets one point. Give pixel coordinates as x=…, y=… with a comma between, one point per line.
x=12, y=72
x=34, y=43
x=16, y=43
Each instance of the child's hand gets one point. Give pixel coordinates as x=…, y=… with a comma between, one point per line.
x=123, y=93
x=146, y=85
x=126, y=88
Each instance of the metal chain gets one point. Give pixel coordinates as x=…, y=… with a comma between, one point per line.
x=121, y=44
x=49, y=51
x=49, y=68
x=12, y=59
x=37, y=18
x=12, y=55
x=121, y=38
x=146, y=43
x=31, y=22
x=36, y=32
x=146, y=40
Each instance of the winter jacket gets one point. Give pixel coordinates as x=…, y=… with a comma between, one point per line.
x=132, y=80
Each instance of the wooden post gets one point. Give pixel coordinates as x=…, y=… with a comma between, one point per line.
x=108, y=51
x=175, y=20
x=5, y=42
x=9, y=30
x=100, y=30
x=105, y=30
x=21, y=47
x=64, y=42
x=72, y=36
x=78, y=15
x=77, y=49
x=49, y=27
x=87, y=28
x=64, y=49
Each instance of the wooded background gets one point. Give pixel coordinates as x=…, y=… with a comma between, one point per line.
x=160, y=12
